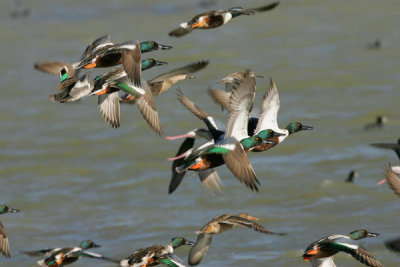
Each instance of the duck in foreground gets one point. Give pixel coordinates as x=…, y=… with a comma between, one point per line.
x=157, y=254
x=320, y=252
x=4, y=246
x=56, y=257
x=217, y=18
x=218, y=225
x=268, y=119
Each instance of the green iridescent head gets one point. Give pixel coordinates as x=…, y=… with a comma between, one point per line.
x=149, y=63
x=5, y=209
x=360, y=234
x=180, y=241
x=149, y=46
x=88, y=244
x=250, y=142
x=295, y=127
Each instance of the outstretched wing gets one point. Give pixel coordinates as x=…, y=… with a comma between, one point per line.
x=199, y=250
x=262, y=9
x=109, y=108
x=190, y=68
x=4, y=246
x=270, y=107
x=393, y=180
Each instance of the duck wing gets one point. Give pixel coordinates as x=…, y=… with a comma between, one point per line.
x=190, y=68
x=133, y=64
x=55, y=67
x=110, y=109
x=392, y=179
x=171, y=260
x=4, y=246
x=210, y=179
x=392, y=146
x=270, y=107
x=241, y=221
x=220, y=97
x=262, y=9
x=96, y=44
x=322, y=262
x=199, y=250
x=241, y=104
x=93, y=255
x=179, y=32
x=148, y=109
x=177, y=177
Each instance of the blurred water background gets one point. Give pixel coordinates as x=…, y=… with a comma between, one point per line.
x=76, y=178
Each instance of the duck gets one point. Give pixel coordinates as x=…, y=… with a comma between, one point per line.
x=55, y=67
x=161, y=83
x=324, y=248
x=231, y=149
x=55, y=257
x=216, y=18
x=221, y=224
x=268, y=119
x=352, y=175
x=4, y=245
x=157, y=254
x=74, y=88
x=380, y=121
x=233, y=78
x=108, y=85
x=392, y=178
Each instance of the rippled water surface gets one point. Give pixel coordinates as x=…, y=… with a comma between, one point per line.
x=75, y=178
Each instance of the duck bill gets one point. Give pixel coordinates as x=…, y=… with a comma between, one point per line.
x=189, y=243
x=164, y=47
x=96, y=246
x=13, y=210
x=268, y=142
x=305, y=127
x=369, y=234
x=159, y=63
x=278, y=134
x=178, y=137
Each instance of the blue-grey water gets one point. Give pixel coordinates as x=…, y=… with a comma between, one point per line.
x=76, y=178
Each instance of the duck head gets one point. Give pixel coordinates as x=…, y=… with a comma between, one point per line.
x=295, y=127
x=5, y=209
x=149, y=46
x=180, y=241
x=149, y=63
x=361, y=233
x=88, y=244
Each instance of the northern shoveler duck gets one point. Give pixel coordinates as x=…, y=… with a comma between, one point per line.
x=107, y=87
x=57, y=257
x=157, y=254
x=233, y=78
x=326, y=247
x=380, y=121
x=55, y=67
x=350, y=178
x=163, y=82
x=231, y=149
x=218, y=225
x=216, y=18
x=4, y=246
x=268, y=118
x=72, y=89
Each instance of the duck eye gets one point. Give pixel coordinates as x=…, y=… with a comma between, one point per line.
x=298, y=125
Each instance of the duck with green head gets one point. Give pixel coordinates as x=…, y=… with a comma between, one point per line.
x=216, y=18
x=56, y=257
x=157, y=254
x=322, y=250
x=4, y=245
x=108, y=85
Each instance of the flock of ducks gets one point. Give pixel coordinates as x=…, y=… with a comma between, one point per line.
x=244, y=132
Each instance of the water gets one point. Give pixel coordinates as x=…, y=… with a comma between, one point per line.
x=75, y=178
